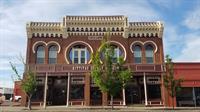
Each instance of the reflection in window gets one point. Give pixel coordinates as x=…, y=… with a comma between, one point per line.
x=40, y=56
x=77, y=91
x=137, y=54
x=149, y=54
x=117, y=53
x=79, y=54
x=38, y=96
x=52, y=54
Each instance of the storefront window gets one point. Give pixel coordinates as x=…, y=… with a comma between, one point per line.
x=77, y=92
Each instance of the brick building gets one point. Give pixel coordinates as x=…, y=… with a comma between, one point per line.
x=60, y=54
x=190, y=87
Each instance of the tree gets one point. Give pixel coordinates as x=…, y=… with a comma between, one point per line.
x=28, y=83
x=109, y=76
x=172, y=85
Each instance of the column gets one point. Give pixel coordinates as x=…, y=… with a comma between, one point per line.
x=45, y=90
x=194, y=97
x=162, y=90
x=124, y=97
x=87, y=89
x=145, y=89
x=68, y=85
x=104, y=99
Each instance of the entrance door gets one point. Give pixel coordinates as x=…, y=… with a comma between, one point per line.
x=132, y=94
x=95, y=96
x=59, y=92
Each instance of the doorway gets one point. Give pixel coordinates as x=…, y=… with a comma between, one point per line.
x=57, y=90
x=132, y=94
x=95, y=96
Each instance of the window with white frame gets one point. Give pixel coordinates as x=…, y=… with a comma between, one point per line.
x=40, y=56
x=149, y=54
x=79, y=54
x=137, y=54
x=52, y=54
x=117, y=54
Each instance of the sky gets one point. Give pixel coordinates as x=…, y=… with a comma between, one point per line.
x=181, y=20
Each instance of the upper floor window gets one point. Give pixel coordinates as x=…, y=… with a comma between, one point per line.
x=117, y=29
x=40, y=54
x=149, y=53
x=86, y=29
x=117, y=54
x=104, y=29
x=137, y=54
x=52, y=54
x=113, y=29
x=79, y=54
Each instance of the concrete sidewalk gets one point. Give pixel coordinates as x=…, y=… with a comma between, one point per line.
x=98, y=109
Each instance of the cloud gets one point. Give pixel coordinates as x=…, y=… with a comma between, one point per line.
x=192, y=18
x=173, y=40
x=15, y=14
x=166, y=4
x=191, y=48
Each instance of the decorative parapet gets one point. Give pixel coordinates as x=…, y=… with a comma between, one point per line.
x=44, y=29
x=95, y=26
x=145, y=29
x=103, y=21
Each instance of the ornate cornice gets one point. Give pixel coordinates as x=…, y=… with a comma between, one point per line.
x=95, y=26
x=145, y=29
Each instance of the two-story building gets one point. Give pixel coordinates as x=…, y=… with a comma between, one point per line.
x=60, y=54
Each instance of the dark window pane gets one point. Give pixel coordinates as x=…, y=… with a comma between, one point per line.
x=149, y=54
x=137, y=54
x=38, y=96
x=76, y=61
x=52, y=54
x=40, y=55
x=52, y=60
x=77, y=92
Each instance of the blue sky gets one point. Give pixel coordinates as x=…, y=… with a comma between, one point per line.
x=181, y=19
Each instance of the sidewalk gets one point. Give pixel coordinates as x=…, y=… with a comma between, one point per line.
x=98, y=109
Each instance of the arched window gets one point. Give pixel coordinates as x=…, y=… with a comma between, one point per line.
x=91, y=29
x=137, y=54
x=95, y=29
x=104, y=29
x=117, y=29
x=73, y=29
x=77, y=29
x=113, y=29
x=117, y=53
x=122, y=29
x=86, y=29
x=68, y=29
x=129, y=35
x=82, y=29
x=52, y=54
x=40, y=56
x=79, y=54
x=149, y=53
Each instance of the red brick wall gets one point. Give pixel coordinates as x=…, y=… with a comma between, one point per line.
x=189, y=72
